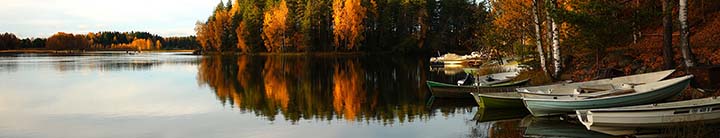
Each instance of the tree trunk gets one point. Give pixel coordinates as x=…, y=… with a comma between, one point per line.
x=685, y=34
x=548, y=23
x=555, y=42
x=667, y=34
x=538, y=37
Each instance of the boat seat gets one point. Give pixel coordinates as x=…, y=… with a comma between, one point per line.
x=595, y=88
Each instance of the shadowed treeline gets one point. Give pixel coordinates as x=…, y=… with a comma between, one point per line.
x=361, y=89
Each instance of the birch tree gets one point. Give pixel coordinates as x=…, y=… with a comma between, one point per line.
x=685, y=34
x=538, y=37
x=555, y=41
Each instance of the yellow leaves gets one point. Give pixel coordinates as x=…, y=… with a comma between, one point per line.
x=275, y=27
x=139, y=44
x=348, y=26
x=512, y=12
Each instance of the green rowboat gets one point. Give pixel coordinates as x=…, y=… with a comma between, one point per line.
x=444, y=90
x=497, y=100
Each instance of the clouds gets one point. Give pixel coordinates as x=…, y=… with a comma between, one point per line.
x=42, y=18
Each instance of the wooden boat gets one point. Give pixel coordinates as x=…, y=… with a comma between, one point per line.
x=640, y=94
x=496, y=100
x=512, y=99
x=602, y=84
x=705, y=110
x=444, y=90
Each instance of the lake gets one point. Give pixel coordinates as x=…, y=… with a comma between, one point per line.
x=151, y=95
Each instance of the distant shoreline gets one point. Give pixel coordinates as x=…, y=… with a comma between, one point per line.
x=47, y=51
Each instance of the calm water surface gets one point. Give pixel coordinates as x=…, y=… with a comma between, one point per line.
x=176, y=95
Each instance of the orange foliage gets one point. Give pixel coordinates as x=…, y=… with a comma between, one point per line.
x=242, y=44
x=203, y=35
x=275, y=26
x=65, y=41
x=513, y=13
x=139, y=44
x=348, y=27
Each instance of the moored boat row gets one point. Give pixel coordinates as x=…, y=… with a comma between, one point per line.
x=605, y=105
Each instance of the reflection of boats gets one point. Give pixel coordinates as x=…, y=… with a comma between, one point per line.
x=450, y=103
x=488, y=83
x=556, y=127
x=569, y=88
x=488, y=115
x=498, y=100
x=705, y=110
x=635, y=95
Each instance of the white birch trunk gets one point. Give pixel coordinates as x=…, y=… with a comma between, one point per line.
x=549, y=31
x=538, y=37
x=555, y=41
x=685, y=34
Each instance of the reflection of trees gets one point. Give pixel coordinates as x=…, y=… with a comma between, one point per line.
x=319, y=88
x=8, y=64
x=348, y=91
x=110, y=62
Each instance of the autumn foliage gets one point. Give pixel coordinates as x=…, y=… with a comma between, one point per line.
x=66, y=41
x=348, y=16
x=275, y=27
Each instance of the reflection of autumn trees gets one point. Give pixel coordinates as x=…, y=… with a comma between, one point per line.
x=318, y=88
x=348, y=90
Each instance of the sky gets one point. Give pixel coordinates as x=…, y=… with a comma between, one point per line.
x=42, y=18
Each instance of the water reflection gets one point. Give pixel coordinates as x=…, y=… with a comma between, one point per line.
x=112, y=61
x=352, y=88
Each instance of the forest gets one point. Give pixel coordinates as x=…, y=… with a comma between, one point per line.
x=99, y=41
x=579, y=34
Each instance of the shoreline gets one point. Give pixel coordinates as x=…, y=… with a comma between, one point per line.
x=47, y=51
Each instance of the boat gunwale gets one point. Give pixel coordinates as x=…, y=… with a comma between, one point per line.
x=716, y=101
x=497, y=97
x=564, y=84
x=679, y=80
x=506, y=84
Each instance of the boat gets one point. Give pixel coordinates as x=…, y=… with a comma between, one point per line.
x=497, y=100
x=705, y=110
x=499, y=82
x=514, y=99
x=595, y=85
x=634, y=95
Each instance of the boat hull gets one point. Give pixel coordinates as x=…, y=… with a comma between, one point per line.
x=504, y=101
x=706, y=110
x=542, y=107
x=450, y=91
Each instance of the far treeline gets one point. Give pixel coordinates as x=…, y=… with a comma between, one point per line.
x=99, y=41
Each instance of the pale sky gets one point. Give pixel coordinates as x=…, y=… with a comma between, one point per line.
x=42, y=18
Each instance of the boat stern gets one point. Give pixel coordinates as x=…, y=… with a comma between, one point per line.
x=585, y=117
